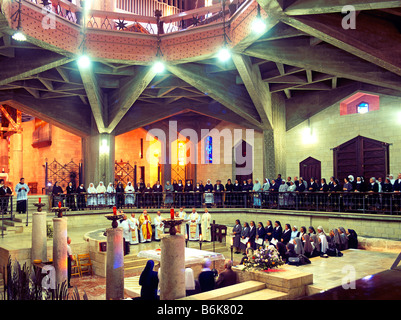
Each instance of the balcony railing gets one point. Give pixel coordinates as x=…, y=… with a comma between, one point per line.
x=142, y=19
x=357, y=202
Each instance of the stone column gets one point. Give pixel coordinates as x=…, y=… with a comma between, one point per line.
x=115, y=264
x=60, y=249
x=39, y=236
x=172, y=267
x=99, y=157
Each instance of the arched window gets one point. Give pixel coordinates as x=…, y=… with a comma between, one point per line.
x=363, y=107
x=208, y=149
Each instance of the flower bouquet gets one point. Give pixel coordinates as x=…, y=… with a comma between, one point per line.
x=262, y=259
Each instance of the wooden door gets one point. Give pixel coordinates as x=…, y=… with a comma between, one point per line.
x=310, y=168
x=363, y=157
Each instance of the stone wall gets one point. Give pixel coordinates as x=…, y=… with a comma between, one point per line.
x=330, y=130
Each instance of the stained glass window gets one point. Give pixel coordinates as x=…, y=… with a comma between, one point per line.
x=363, y=107
x=209, y=149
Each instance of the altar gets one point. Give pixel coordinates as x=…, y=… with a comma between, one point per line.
x=193, y=258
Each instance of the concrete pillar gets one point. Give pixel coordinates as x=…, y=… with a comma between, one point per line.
x=3, y=155
x=99, y=157
x=60, y=249
x=172, y=267
x=166, y=167
x=39, y=236
x=115, y=264
x=16, y=150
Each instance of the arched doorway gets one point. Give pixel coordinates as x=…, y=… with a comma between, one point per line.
x=363, y=157
x=243, y=160
x=310, y=168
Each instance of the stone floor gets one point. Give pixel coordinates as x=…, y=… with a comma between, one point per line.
x=327, y=273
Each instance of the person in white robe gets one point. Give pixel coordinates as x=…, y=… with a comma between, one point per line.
x=194, y=220
x=111, y=195
x=159, y=225
x=127, y=226
x=182, y=228
x=283, y=195
x=134, y=239
x=129, y=194
x=206, y=227
x=92, y=195
x=101, y=197
x=322, y=240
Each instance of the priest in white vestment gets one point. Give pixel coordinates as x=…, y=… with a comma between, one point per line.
x=194, y=220
x=182, y=228
x=206, y=226
x=134, y=232
x=159, y=225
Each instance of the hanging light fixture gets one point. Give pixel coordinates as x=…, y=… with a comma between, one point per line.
x=224, y=53
x=258, y=24
x=84, y=60
x=18, y=34
x=158, y=65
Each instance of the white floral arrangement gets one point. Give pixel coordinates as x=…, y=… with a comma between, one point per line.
x=262, y=259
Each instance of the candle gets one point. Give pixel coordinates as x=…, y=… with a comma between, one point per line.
x=200, y=237
x=172, y=213
x=59, y=204
x=115, y=210
x=232, y=241
x=248, y=244
x=40, y=200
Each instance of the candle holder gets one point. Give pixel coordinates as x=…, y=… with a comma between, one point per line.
x=114, y=218
x=171, y=224
x=200, y=242
x=186, y=240
x=59, y=211
x=39, y=205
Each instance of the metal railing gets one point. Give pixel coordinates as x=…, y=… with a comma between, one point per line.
x=358, y=202
x=6, y=210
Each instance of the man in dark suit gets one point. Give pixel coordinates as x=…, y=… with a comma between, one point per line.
x=206, y=277
x=228, y=277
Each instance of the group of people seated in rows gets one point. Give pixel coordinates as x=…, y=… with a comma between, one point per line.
x=289, y=240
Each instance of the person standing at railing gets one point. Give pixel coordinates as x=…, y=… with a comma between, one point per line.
x=111, y=195
x=229, y=189
x=169, y=189
x=129, y=195
x=283, y=195
x=209, y=198
x=178, y=189
x=237, y=197
x=198, y=196
x=70, y=199
x=148, y=196
x=81, y=203
x=218, y=193
x=158, y=198
x=22, y=190
x=57, y=193
x=92, y=197
x=188, y=189
x=120, y=195
x=101, y=193
x=5, y=193
x=257, y=189
x=265, y=194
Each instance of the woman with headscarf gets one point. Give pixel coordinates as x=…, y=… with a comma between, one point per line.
x=70, y=200
x=311, y=231
x=237, y=236
x=244, y=237
x=316, y=245
x=111, y=195
x=299, y=248
x=322, y=240
x=286, y=235
x=308, y=248
x=268, y=231
x=57, y=194
x=294, y=233
x=343, y=238
x=260, y=235
x=101, y=190
x=290, y=251
x=277, y=232
x=229, y=189
x=282, y=249
x=81, y=203
x=129, y=195
x=169, y=189
x=347, y=187
x=120, y=195
x=335, y=242
x=352, y=239
x=257, y=189
x=92, y=198
x=209, y=199
x=198, y=196
x=149, y=282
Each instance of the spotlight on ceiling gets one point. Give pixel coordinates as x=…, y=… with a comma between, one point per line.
x=158, y=67
x=19, y=36
x=258, y=25
x=224, y=54
x=84, y=61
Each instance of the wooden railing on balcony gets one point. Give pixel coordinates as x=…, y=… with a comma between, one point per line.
x=148, y=7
